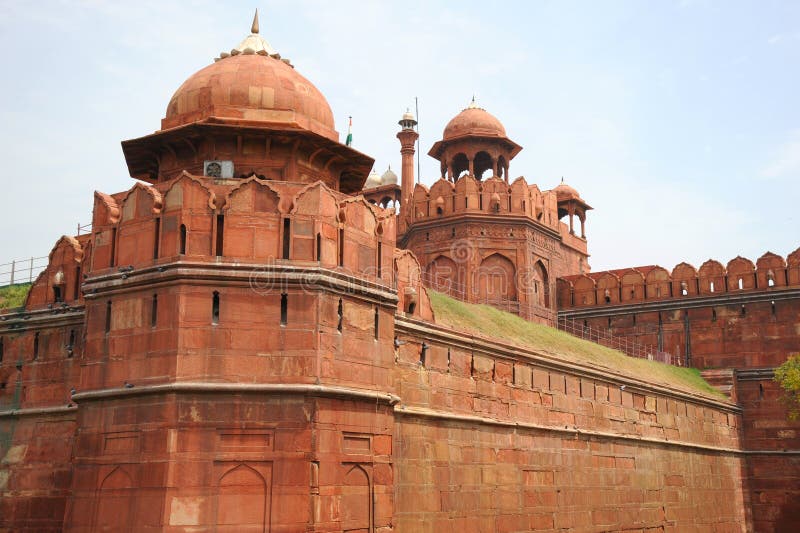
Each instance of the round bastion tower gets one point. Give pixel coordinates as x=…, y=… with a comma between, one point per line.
x=241, y=305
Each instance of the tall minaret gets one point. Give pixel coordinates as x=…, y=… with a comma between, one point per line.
x=408, y=136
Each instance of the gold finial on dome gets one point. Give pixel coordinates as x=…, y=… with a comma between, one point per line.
x=473, y=104
x=254, y=27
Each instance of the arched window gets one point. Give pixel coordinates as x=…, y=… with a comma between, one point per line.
x=182, y=249
x=483, y=165
x=502, y=166
x=154, y=311
x=460, y=165
x=541, y=276
x=215, y=308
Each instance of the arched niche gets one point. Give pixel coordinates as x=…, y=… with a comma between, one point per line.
x=442, y=275
x=242, y=503
x=115, y=509
x=495, y=281
x=356, y=500
x=541, y=285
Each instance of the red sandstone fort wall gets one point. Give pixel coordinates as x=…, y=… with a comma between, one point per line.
x=742, y=317
x=212, y=373
x=488, y=438
x=484, y=437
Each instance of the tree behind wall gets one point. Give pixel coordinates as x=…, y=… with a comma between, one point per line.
x=788, y=377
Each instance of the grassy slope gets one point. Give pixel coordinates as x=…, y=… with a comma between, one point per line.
x=13, y=295
x=490, y=322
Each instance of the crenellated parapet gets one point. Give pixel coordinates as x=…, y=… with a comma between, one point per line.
x=654, y=283
x=60, y=282
x=490, y=241
x=251, y=221
x=492, y=196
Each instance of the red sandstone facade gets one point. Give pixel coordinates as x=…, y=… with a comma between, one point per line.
x=741, y=320
x=245, y=343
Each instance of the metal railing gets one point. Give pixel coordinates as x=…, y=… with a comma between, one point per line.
x=26, y=270
x=84, y=228
x=22, y=270
x=623, y=344
x=456, y=290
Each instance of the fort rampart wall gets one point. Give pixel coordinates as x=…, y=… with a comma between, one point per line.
x=742, y=317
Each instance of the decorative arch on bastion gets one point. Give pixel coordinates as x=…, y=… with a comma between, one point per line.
x=115, y=501
x=242, y=499
x=495, y=280
x=356, y=500
x=541, y=284
x=442, y=275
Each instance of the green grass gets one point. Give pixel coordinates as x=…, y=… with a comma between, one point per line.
x=489, y=322
x=13, y=295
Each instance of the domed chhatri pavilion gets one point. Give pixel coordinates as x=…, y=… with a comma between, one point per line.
x=266, y=334
x=235, y=107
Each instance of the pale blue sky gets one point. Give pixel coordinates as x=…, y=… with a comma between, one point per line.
x=677, y=120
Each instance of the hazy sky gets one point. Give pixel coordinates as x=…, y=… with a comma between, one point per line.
x=678, y=121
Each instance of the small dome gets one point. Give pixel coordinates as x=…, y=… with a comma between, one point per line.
x=408, y=116
x=473, y=121
x=565, y=192
x=373, y=180
x=389, y=177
